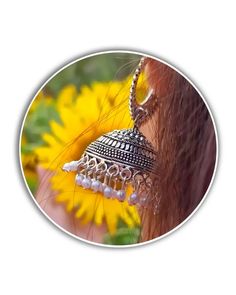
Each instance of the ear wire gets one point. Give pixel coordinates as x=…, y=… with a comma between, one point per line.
x=140, y=112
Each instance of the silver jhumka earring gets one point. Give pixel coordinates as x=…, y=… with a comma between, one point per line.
x=121, y=158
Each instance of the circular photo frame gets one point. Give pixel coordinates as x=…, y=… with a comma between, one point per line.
x=118, y=148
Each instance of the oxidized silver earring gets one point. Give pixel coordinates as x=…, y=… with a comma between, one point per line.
x=121, y=158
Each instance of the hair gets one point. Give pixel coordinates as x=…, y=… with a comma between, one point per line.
x=182, y=132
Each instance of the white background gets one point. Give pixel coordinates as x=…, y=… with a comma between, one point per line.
x=37, y=37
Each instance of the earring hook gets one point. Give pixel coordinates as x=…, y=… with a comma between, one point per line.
x=140, y=112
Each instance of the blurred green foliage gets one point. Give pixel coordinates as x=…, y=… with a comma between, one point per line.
x=36, y=124
x=32, y=184
x=104, y=67
x=123, y=236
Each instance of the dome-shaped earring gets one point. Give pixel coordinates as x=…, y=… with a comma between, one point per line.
x=121, y=158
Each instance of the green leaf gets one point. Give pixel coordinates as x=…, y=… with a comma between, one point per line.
x=123, y=236
x=32, y=184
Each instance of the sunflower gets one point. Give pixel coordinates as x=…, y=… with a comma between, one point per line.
x=84, y=116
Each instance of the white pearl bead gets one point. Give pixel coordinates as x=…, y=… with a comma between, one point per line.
x=86, y=183
x=107, y=191
x=114, y=194
x=102, y=187
x=72, y=166
x=95, y=186
x=133, y=199
x=66, y=167
x=78, y=179
x=120, y=195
